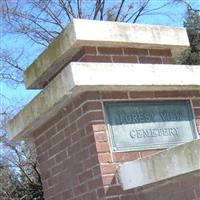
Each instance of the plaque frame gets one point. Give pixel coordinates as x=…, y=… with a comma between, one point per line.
x=107, y=111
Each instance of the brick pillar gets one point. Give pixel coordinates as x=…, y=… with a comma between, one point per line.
x=67, y=119
x=76, y=158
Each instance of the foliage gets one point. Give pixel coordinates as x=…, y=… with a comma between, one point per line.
x=192, y=23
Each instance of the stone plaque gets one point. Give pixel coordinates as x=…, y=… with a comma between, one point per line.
x=149, y=124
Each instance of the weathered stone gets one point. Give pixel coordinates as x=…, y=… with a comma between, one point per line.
x=180, y=160
x=86, y=33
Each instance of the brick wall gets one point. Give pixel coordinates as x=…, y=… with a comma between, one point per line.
x=120, y=55
x=76, y=159
x=124, y=55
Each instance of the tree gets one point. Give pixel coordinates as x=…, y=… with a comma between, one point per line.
x=192, y=24
x=40, y=22
x=19, y=174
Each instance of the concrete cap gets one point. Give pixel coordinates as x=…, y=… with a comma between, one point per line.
x=80, y=77
x=81, y=33
x=177, y=161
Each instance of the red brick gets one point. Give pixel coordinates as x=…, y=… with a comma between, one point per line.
x=45, y=174
x=104, y=158
x=55, y=149
x=130, y=197
x=74, y=115
x=47, y=125
x=83, y=51
x=160, y=52
x=98, y=127
x=58, y=137
x=80, y=189
x=85, y=176
x=93, y=149
x=86, y=141
x=108, y=169
x=40, y=139
x=78, y=135
x=113, y=190
x=91, y=116
x=50, y=132
x=134, y=51
x=43, y=147
x=92, y=96
x=114, y=95
x=126, y=156
x=102, y=147
x=109, y=180
x=65, y=143
x=70, y=129
x=61, y=156
x=91, y=58
x=51, y=181
x=168, y=60
x=83, y=155
x=100, y=136
x=197, y=113
x=62, y=123
x=47, y=164
x=74, y=148
x=89, y=196
x=50, y=192
x=166, y=93
x=92, y=161
x=95, y=183
x=124, y=59
x=90, y=50
x=146, y=94
x=93, y=105
x=195, y=93
x=196, y=103
x=150, y=60
x=67, y=194
x=96, y=171
x=149, y=152
x=197, y=122
x=179, y=196
x=43, y=157
x=110, y=51
x=57, y=169
x=73, y=162
x=113, y=198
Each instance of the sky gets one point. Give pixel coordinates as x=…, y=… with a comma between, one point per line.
x=171, y=16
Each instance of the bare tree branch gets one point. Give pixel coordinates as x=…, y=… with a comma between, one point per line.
x=119, y=10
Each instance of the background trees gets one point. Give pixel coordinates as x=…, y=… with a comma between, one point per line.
x=29, y=26
x=192, y=24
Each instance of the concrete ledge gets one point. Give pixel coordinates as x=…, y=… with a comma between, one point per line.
x=180, y=160
x=95, y=33
x=81, y=77
x=113, y=76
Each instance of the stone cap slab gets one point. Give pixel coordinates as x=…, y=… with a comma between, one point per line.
x=81, y=77
x=81, y=33
x=180, y=160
